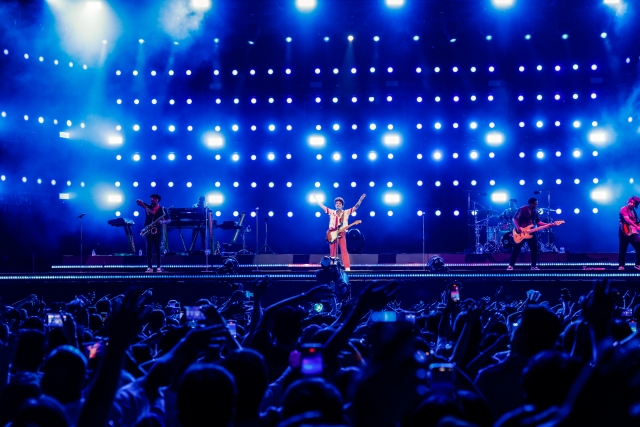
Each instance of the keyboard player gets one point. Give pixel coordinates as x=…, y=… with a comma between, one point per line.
x=201, y=228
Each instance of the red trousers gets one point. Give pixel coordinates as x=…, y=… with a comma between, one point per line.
x=333, y=250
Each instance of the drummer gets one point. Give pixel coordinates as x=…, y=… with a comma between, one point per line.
x=507, y=216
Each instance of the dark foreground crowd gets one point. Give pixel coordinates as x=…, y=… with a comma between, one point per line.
x=125, y=361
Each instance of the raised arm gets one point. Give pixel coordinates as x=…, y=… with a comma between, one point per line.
x=359, y=202
x=317, y=199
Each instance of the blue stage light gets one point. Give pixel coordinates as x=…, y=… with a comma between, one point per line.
x=350, y=38
x=326, y=39
x=288, y=39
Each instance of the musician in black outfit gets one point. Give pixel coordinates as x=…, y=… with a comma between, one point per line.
x=201, y=228
x=527, y=215
x=628, y=232
x=153, y=213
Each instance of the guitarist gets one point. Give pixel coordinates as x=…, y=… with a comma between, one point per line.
x=628, y=232
x=154, y=211
x=525, y=216
x=339, y=218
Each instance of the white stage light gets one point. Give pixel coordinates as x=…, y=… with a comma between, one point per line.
x=391, y=140
x=317, y=141
x=502, y=4
x=115, y=140
x=392, y=198
x=494, y=138
x=499, y=197
x=215, y=199
x=215, y=142
x=94, y=5
x=114, y=198
x=394, y=4
x=598, y=137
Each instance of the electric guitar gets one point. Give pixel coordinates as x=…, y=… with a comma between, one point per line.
x=333, y=235
x=525, y=232
x=629, y=231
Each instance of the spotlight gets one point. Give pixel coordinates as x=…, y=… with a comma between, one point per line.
x=394, y=4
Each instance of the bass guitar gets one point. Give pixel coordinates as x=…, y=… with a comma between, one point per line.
x=333, y=235
x=526, y=232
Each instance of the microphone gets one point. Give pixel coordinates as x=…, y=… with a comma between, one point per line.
x=81, y=215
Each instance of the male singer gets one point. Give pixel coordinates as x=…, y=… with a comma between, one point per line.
x=339, y=218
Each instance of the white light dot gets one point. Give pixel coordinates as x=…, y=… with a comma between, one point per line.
x=336, y=71
x=576, y=181
x=437, y=69
x=455, y=126
x=575, y=96
x=521, y=155
x=455, y=183
x=492, y=155
x=521, y=69
x=490, y=97
x=492, y=125
x=557, y=123
x=539, y=68
x=437, y=99
x=455, y=155
x=521, y=124
x=521, y=182
x=558, y=181
x=390, y=70
x=491, y=69
x=576, y=124
x=455, y=69
x=473, y=69
x=594, y=67
x=520, y=98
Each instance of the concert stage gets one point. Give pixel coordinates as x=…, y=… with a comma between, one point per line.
x=188, y=278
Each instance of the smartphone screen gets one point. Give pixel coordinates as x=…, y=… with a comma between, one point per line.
x=383, y=316
x=441, y=375
x=311, y=359
x=194, y=313
x=455, y=293
x=628, y=312
x=231, y=325
x=633, y=324
x=54, y=319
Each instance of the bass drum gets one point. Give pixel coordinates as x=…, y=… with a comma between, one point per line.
x=507, y=242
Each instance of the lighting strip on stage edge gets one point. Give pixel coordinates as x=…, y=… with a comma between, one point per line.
x=307, y=276
x=414, y=265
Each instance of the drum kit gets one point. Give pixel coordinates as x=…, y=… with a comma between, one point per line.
x=498, y=231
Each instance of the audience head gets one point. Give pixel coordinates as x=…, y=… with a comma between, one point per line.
x=249, y=371
x=206, y=390
x=30, y=350
x=548, y=378
x=64, y=374
x=313, y=394
x=538, y=330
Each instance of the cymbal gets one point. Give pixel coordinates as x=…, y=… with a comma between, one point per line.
x=488, y=212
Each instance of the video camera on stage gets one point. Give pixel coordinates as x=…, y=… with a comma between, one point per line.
x=332, y=273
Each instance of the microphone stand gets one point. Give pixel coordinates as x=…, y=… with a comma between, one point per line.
x=81, y=260
x=550, y=246
x=424, y=257
x=266, y=247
